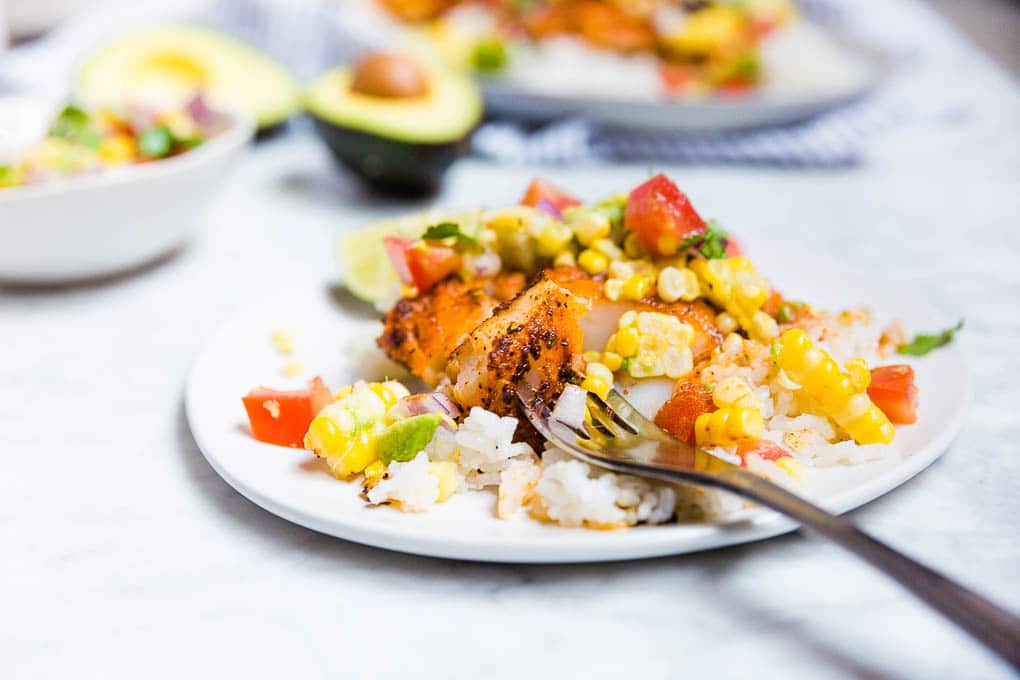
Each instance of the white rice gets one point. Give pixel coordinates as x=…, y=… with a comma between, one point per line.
x=575, y=494
x=487, y=447
x=409, y=484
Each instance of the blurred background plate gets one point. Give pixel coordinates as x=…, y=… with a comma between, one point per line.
x=778, y=106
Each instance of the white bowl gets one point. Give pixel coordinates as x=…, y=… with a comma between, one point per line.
x=112, y=221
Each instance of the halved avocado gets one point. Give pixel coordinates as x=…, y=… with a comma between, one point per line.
x=167, y=65
x=396, y=123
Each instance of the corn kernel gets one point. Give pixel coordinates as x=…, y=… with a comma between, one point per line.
x=117, y=149
x=374, y=472
x=618, y=269
x=677, y=362
x=588, y=225
x=628, y=342
x=273, y=406
x=592, y=261
x=860, y=374
x=636, y=287
x=613, y=289
x=612, y=361
x=553, y=239
x=790, y=466
x=728, y=425
x=293, y=368
x=677, y=284
x=596, y=386
x=601, y=371
x=632, y=246
x=763, y=326
x=408, y=291
x=446, y=474
x=565, y=259
x=726, y=322
x=592, y=355
x=608, y=248
x=283, y=341
x=384, y=393
x=734, y=391
x=646, y=365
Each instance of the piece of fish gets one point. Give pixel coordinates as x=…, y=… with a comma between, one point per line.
x=422, y=332
x=535, y=337
x=600, y=319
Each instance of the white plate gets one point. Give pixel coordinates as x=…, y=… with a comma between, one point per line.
x=337, y=341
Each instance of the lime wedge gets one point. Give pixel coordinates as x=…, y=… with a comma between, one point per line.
x=363, y=262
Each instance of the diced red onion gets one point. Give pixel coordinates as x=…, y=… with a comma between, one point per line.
x=208, y=120
x=486, y=264
x=199, y=110
x=546, y=207
x=427, y=402
x=570, y=407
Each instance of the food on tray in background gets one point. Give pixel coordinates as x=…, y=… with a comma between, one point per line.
x=397, y=121
x=164, y=67
x=635, y=292
x=81, y=142
x=681, y=47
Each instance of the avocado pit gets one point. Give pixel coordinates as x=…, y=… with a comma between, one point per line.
x=389, y=76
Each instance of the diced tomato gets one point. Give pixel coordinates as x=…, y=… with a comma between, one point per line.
x=893, y=390
x=282, y=417
x=675, y=77
x=421, y=264
x=540, y=189
x=733, y=247
x=762, y=27
x=736, y=88
x=688, y=401
x=662, y=216
x=773, y=303
x=429, y=264
x=763, y=448
x=396, y=250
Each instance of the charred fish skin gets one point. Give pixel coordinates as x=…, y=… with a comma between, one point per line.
x=534, y=338
x=421, y=332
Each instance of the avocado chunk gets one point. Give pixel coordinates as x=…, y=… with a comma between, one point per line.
x=168, y=65
x=404, y=439
x=397, y=125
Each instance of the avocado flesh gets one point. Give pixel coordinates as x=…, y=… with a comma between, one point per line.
x=398, y=145
x=166, y=66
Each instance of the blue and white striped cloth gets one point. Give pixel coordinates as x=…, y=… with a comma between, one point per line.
x=311, y=36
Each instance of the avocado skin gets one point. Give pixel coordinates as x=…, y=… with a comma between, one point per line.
x=391, y=166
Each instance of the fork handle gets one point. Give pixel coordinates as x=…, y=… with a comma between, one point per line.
x=992, y=625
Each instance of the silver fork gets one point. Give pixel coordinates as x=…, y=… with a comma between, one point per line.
x=621, y=439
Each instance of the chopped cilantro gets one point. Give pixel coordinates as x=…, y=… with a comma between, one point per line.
x=711, y=244
x=74, y=125
x=613, y=208
x=922, y=344
x=445, y=230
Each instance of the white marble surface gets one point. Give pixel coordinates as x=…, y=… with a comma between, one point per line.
x=124, y=555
